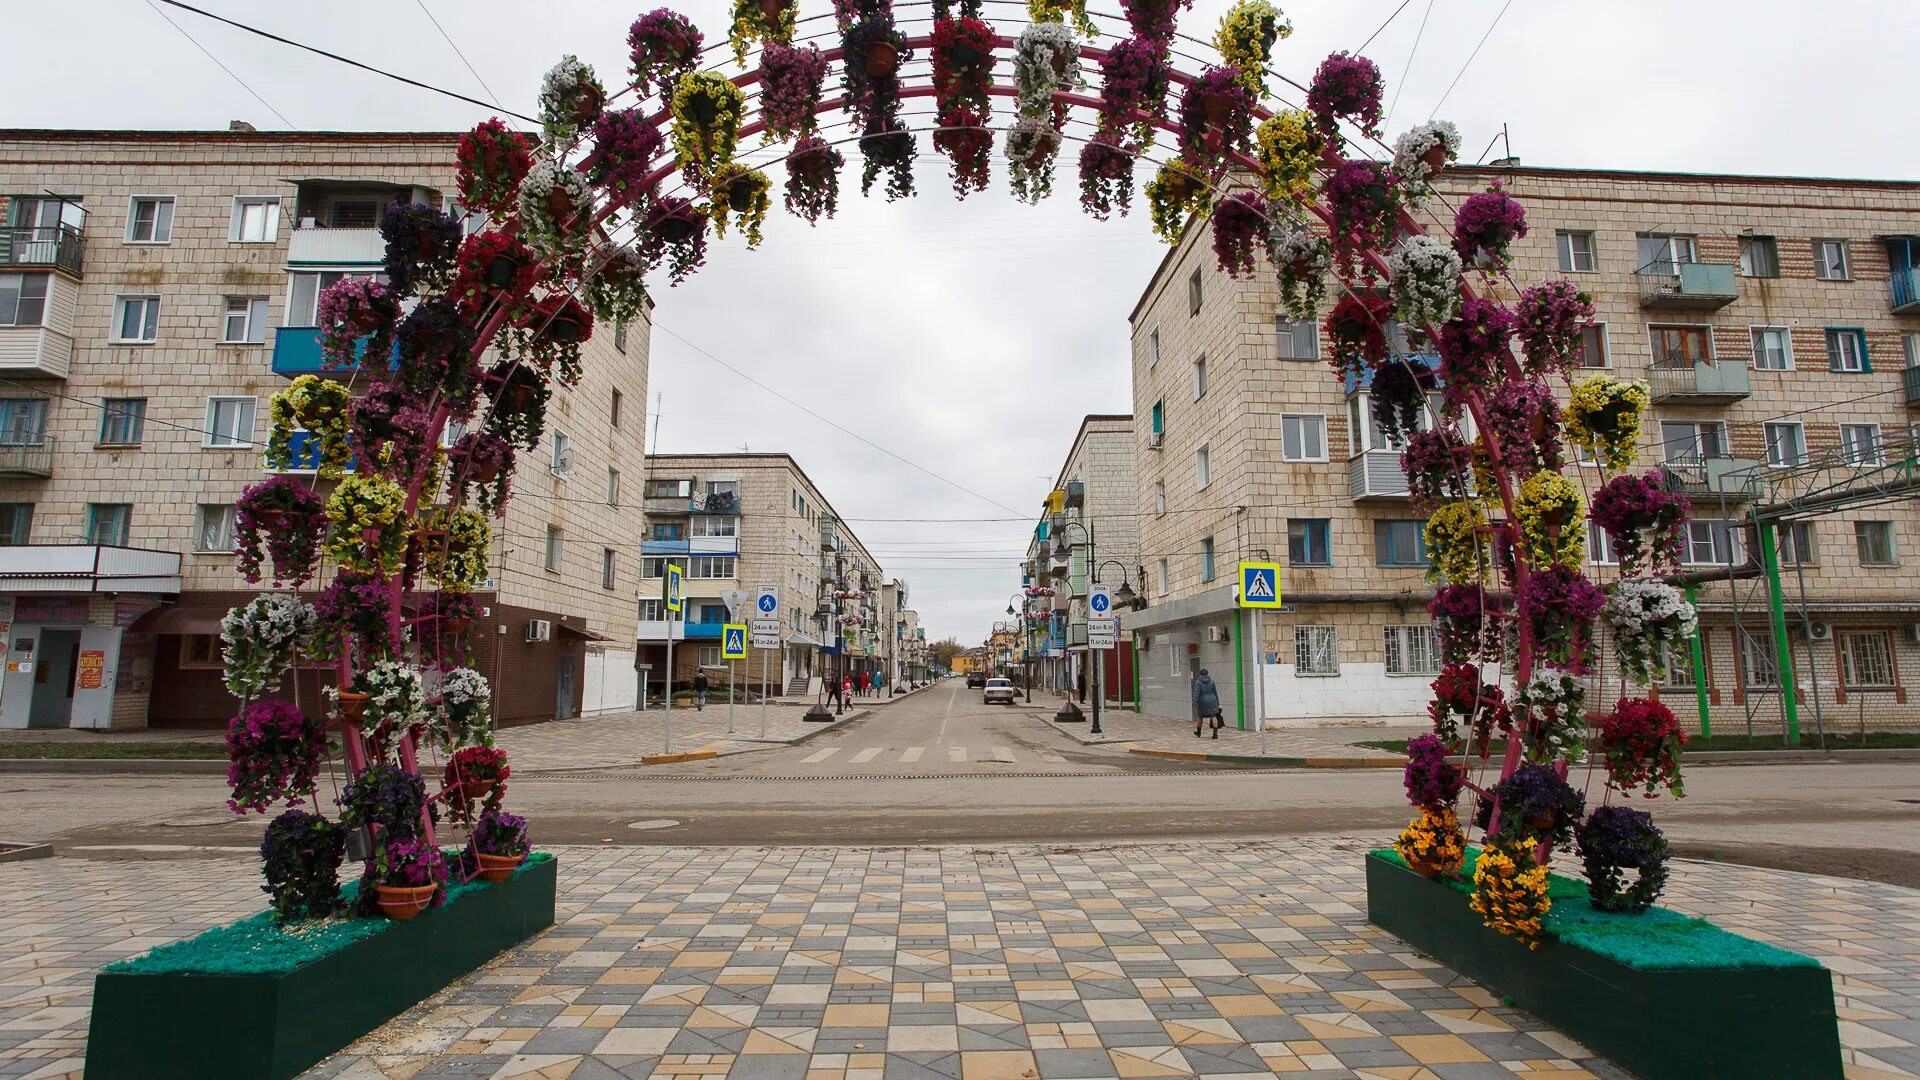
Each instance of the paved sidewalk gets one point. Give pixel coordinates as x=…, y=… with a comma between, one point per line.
x=1241, y=960
x=1165, y=736
x=631, y=738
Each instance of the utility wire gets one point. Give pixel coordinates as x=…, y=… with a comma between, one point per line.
x=1470, y=59
x=428, y=12
x=230, y=72
x=1383, y=26
x=1401, y=85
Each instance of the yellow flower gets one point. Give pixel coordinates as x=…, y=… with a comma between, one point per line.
x=1246, y=37
x=1175, y=192
x=749, y=26
x=1604, y=418
x=703, y=141
x=1550, y=514
x=364, y=512
x=1456, y=553
x=1434, y=838
x=752, y=185
x=1288, y=154
x=1510, y=899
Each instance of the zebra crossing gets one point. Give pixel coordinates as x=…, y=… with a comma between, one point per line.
x=909, y=755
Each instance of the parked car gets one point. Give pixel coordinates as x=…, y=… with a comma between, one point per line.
x=976, y=679
x=1000, y=690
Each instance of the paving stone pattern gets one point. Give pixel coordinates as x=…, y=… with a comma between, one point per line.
x=1150, y=732
x=1245, y=960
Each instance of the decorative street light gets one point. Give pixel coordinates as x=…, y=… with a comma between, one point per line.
x=1017, y=607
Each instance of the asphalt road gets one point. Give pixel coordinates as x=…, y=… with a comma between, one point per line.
x=943, y=768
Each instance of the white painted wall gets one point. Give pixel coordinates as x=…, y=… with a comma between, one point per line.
x=612, y=684
x=1361, y=693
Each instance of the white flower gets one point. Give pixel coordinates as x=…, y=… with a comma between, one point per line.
x=1046, y=59
x=564, y=81
x=1426, y=281
x=1554, y=704
x=1032, y=145
x=1410, y=150
x=1649, y=621
x=545, y=233
x=261, y=639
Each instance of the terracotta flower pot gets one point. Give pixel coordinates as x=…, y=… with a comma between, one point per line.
x=1436, y=159
x=353, y=705
x=1429, y=870
x=523, y=397
x=1060, y=63
x=770, y=11
x=1216, y=109
x=475, y=790
x=882, y=58
x=498, y=868
x=403, y=902
x=559, y=205
x=587, y=107
x=484, y=471
x=1543, y=822
x=501, y=270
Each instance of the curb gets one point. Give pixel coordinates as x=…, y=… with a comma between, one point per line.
x=675, y=759
x=108, y=766
x=1283, y=762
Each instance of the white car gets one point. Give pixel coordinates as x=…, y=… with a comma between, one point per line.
x=1000, y=690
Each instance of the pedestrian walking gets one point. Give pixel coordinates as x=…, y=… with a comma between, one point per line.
x=1206, y=704
x=866, y=683
x=833, y=691
x=700, y=691
x=846, y=688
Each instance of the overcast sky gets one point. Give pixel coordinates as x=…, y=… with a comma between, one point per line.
x=968, y=338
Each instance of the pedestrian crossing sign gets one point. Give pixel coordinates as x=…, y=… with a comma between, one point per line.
x=733, y=641
x=1259, y=585
x=670, y=587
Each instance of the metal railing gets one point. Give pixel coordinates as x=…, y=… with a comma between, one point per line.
x=1687, y=285
x=1906, y=288
x=58, y=247
x=1726, y=380
x=25, y=458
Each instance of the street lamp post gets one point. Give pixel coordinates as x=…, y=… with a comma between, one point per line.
x=1070, y=712
x=1017, y=607
x=1123, y=596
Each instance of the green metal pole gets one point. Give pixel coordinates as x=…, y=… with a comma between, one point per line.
x=1239, y=670
x=1699, y=664
x=1783, y=655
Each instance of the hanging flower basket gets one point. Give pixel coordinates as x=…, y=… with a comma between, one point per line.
x=1363, y=199
x=1643, y=516
x=873, y=49
x=283, y=520
x=1426, y=282
x=1475, y=345
x=261, y=639
x=493, y=159
x=1287, y=148
x=1051, y=12
x=1616, y=838
x=813, y=179
x=1553, y=318
x=1046, y=61
x=740, y=192
x=1604, y=417
x=963, y=63
x=1641, y=741
x=1551, y=520
x=494, y=267
x=624, y=147
x=1422, y=153
x=556, y=212
x=1134, y=79
x=1349, y=87
x=520, y=398
x=356, y=317
x=571, y=98
x=275, y=754
x=1357, y=333
x=963, y=137
x=1216, y=118
x=1154, y=20
x=365, y=534
x=663, y=45
x=1650, y=622
x=763, y=21
x=1561, y=608
x=421, y=244
x=1242, y=226
x=1032, y=147
x=1106, y=177
x=319, y=407
x=1467, y=621
x=1486, y=225
x=889, y=148
x=352, y=610
x=1176, y=193
x=791, y=78
x=676, y=231
x=1246, y=38
x=1301, y=257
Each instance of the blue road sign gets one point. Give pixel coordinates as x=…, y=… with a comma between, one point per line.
x=733, y=642
x=767, y=603
x=1259, y=585
x=1100, y=602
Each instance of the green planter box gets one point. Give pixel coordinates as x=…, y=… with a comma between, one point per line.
x=1660, y=994
x=157, y=1018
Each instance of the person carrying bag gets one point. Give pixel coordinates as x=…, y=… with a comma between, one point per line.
x=1206, y=704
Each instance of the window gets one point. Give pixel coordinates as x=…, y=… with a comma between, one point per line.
x=710, y=566
x=711, y=613
x=1680, y=346
x=1795, y=543
x=613, y=410
x=669, y=530
x=23, y=299
x=1316, y=650
x=1399, y=543
x=1663, y=253
x=1713, y=542
x=654, y=610
x=606, y=568
x=1600, y=546
x=1206, y=559
x=1153, y=348
x=562, y=452
x=256, y=220
x=1309, y=542
x=1202, y=466
x=1159, y=418
x=107, y=523
x=1830, y=260
x=1160, y=577
x=23, y=421
x=1786, y=444
x=200, y=651
x=136, y=318
x=1847, y=350
x=1909, y=347
x=1869, y=658
x=303, y=293
x=1303, y=437
x=1772, y=348
x=1411, y=651
x=1200, y=378
x=1193, y=293
x=613, y=487
x=657, y=567
x=246, y=320
x=669, y=489
x=16, y=522
x=1593, y=347
x=1679, y=668
x=471, y=221
x=1860, y=444
x=1759, y=256
x=1684, y=442
x=452, y=432
x=150, y=219
x=1875, y=540
x=216, y=528
x=229, y=422
x=555, y=549
x=1159, y=498
x=1576, y=251
x=1757, y=657
x=707, y=525
x=1298, y=340
x=710, y=656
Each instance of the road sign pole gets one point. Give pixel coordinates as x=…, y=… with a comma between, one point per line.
x=667, y=682
x=730, y=696
x=763, y=693
x=1259, y=682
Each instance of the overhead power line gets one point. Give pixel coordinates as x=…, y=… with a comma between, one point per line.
x=1401, y=84
x=428, y=12
x=1470, y=59
x=1383, y=26
x=223, y=67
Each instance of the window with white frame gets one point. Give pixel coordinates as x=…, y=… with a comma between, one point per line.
x=1202, y=466
x=1159, y=498
x=1687, y=441
x=1303, y=437
x=1794, y=543
x=1664, y=253
x=23, y=299
x=1600, y=546
x=1316, y=650
x=136, y=319
x=1713, y=542
x=562, y=453
x=1868, y=655
x=304, y=289
x=1576, y=251
x=654, y=610
x=150, y=219
x=1411, y=650
x=1786, y=443
x=1830, y=260
x=1593, y=347
x=555, y=550
x=1160, y=578
x=1860, y=444
x=1847, y=350
x=1759, y=256
x=256, y=220
x=1298, y=340
x=1909, y=347
x=246, y=322
x=1153, y=348
x=1200, y=378
x=1772, y=348
x=229, y=422
x=710, y=656
x=215, y=532
x=1759, y=662
x=712, y=525
x=711, y=566
x=123, y=421
x=1679, y=667
x=1875, y=541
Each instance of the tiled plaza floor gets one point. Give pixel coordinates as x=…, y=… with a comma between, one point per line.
x=626, y=738
x=1240, y=960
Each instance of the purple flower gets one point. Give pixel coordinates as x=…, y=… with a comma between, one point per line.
x=1487, y=222
x=664, y=45
x=624, y=146
x=1561, y=607
x=1436, y=466
x=1362, y=197
x=1134, y=77
x=1348, y=86
x=1154, y=20
x=1523, y=419
x=1216, y=117
x=1475, y=345
x=1629, y=506
x=1431, y=781
x=1466, y=619
x=790, y=81
x=1553, y=315
x=1241, y=224
x=274, y=753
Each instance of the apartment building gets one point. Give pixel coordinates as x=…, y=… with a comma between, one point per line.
x=734, y=522
x=156, y=288
x=1088, y=532
x=1777, y=323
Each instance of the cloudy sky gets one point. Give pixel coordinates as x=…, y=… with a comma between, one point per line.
x=962, y=341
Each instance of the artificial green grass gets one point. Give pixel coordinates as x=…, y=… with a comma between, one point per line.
x=264, y=945
x=116, y=751
x=1874, y=740
x=1657, y=939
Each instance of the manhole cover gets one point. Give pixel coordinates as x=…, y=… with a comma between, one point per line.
x=653, y=823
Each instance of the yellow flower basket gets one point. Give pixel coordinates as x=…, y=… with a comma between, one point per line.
x=1433, y=843
x=1288, y=151
x=1604, y=419
x=1510, y=893
x=1550, y=513
x=1457, y=553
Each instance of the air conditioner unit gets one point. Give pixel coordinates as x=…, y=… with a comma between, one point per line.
x=1820, y=631
x=563, y=462
x=1154, y=440
x=539, y=630
x=1217, y=635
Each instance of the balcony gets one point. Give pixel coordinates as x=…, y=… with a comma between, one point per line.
x=296, y=351
x=1376, y=474
x=1701, y=383
x=1697, y=287
x=1911, y=379
x=657, y=630
x=719, y=502
x=41, y=247
x=1714, y=478
x=1906, y=290
x=27, y=459
x=35, y=350
x=314, y=247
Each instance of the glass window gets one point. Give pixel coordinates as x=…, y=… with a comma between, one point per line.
x=1206, y=559
x=107, y=523
x=562, y=451
x=1909, y=347
x=555, y=549
x=1786, y=444
x=669, y=489
x=1159, y=418
x=150, y=219
x=710, y=566
x=136, y=318
x=256, y=220
x=1600, y=545
x=1193, y=293
x=1309, y=542
x=707, y=525
x=1680, y=346
x=1860, y=444
x=1679, y=668
x=123, y=421
x=1200, y=378
x=303, y=293
x=1316, y=650
x=613, y=408
x=669, y=530
x=16, y=522
x=1399, y=543
x=1411, y=651
x=1689, y=441
x=23, y=299
x=1759, y=256
x=1303, y=437
x=710, y=656
x=1663, y=253
x=1202, y=467
x=1795, y=543
x=216, y=527
x=1830, y=260
x=613, y=487
x=1160, y=582
x=1153, y=348
x=657, y=567
x=1298, y=340
x=1869, y=657
x=246, y=320
x=1576, y=251
x=1761, y=663
x=230, y=421
x=1875, y=540
x=1593, y=347
x=1772, y=348
x=23, y=421
x=653, y=611
x=1847, y=351
x=606, y=568
x=1159, y=498
x=1713, y=542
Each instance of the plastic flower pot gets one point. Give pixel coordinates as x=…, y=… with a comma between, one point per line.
x=403, y=902
x=1435, y=158
x=770, y=13
x=703, y=108
x=353, y=705
x=965, y=57
x=501, y=270
x=484, y=471
x=564, y=328
x=559, y=205
x=587, y=107
x=1429, y=870
x=882, y=58
x=677, y=230
x=1059, y=63
x=1216, y=109
x=498, y=868
x=740, y=197
x=475, y=790
x=523, y=397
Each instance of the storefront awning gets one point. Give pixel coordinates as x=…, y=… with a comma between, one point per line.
x=579, y=632
x=70, y=568
x=192, y=618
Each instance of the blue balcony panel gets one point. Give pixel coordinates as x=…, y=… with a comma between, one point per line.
x=663, y=547
x=703, y=631
x=296, y=351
